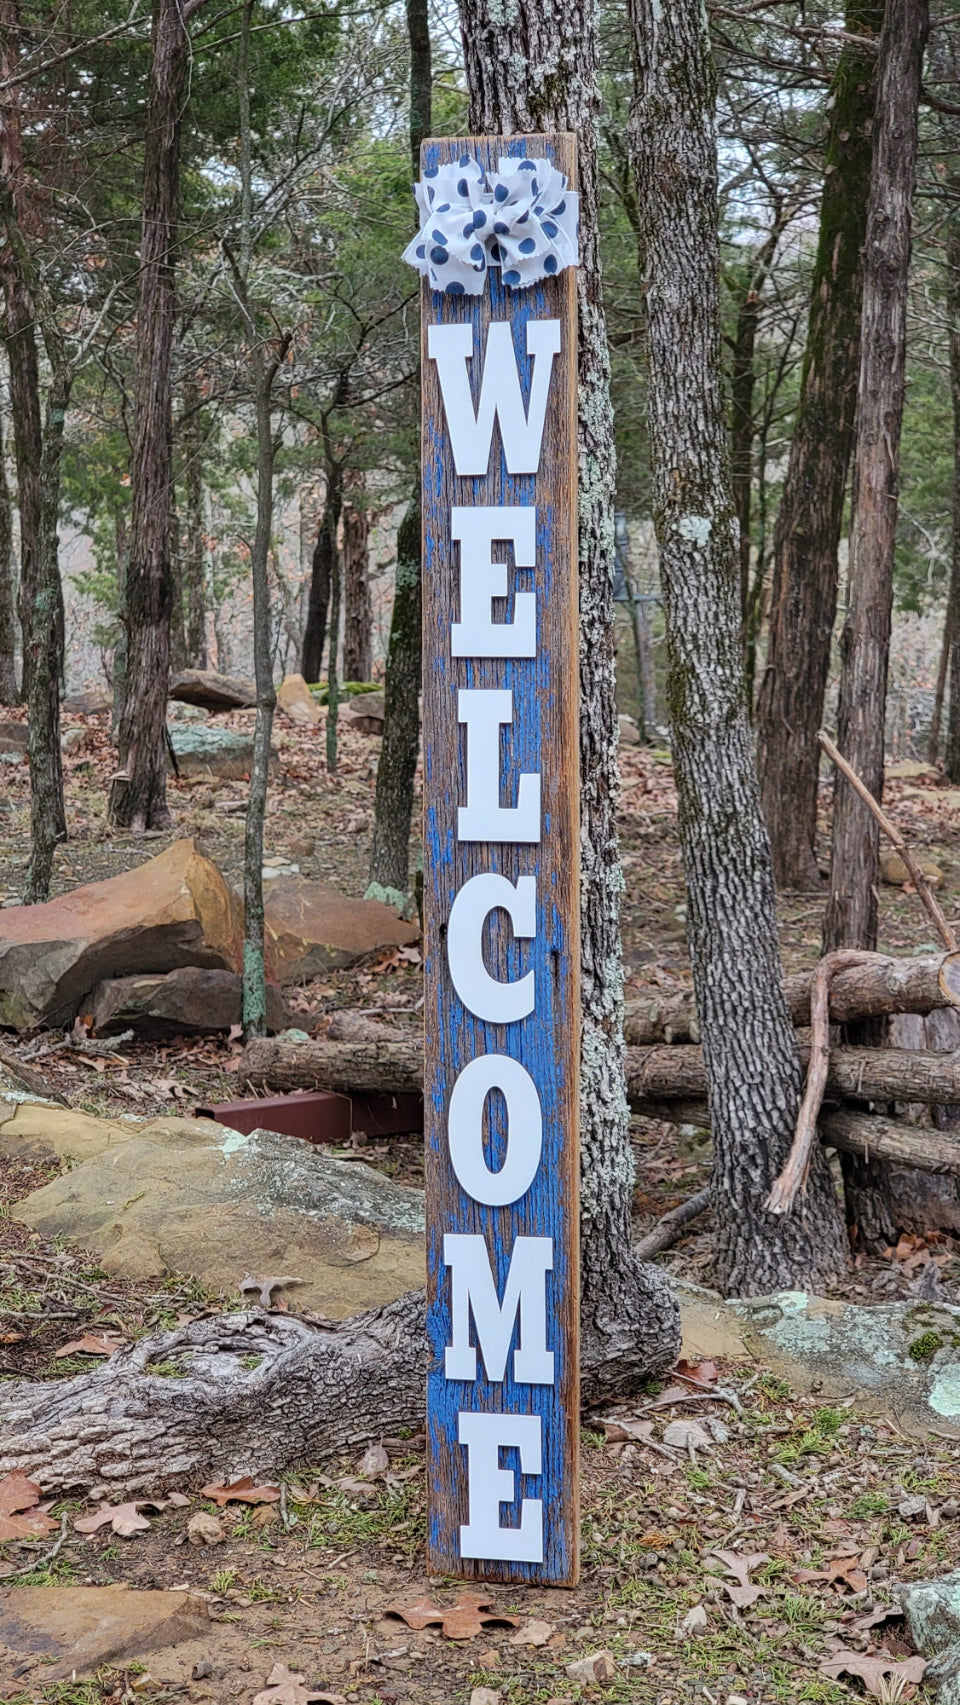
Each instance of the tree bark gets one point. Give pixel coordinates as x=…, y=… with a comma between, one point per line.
x=333, y=638
x=851, y=918
x=533, y=67
x=193, y=549
x=393, y=804
x=393, y=809
x=879, y=990
x=357, y=615
x=952, y=618
x=807, y=532
x=9, y=688
x=138, y=798
x=751, y=1056
x=321, y=574
x=743, y=379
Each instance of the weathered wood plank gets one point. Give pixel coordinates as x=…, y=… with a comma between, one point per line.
x=540, y=739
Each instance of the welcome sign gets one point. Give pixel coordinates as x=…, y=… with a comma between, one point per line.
x=501, y=837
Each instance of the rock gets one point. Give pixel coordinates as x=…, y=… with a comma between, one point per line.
x=909, y=769
x=837, y=1347
x=176, y=909
x=364, y=713
x=19, y=1083
x=73, y=740
x=188, y=1000
x=206, y=751
x=932, y=1610
x=189, y=1196
x=894, y=872
x=629, y=732
x=944, y=1670
x=82, y=1628
x=302, y=846
x=600, y=1668
x=205, y=1529
x=13, y=739
x=311, y=928
x=212, y=691
x=911, y=1509
x=296, y=701
x=92, y=702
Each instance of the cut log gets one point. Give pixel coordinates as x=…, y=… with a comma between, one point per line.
x=672, y=1226
x=868, y=991
x=653, y=1074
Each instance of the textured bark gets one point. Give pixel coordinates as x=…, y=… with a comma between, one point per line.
x=885, y=987
x=952, y=620
x=851, y=918
x=357, y=614
x=393, y=805
x=752, y=1063
x=9, y=690
x=138, y=798
x=193, y=547
x=333, y=641
x=743, y=379
x=807, y=533
x=393, y=808
x=321, y=574
x=533, y=66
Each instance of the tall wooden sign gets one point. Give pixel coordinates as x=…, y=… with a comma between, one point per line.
x=501, y=903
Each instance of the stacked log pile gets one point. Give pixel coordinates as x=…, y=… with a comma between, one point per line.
x=665, y=1072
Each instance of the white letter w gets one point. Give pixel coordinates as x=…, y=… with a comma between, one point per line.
x=451, y=347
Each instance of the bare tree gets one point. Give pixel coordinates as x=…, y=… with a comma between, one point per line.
x=749, y=1046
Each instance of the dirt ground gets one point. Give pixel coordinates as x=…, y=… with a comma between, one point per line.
x=813, y=1495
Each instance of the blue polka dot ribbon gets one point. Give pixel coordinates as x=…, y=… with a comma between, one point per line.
x=521, y=218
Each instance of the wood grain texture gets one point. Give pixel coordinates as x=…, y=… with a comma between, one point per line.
x=543, y=738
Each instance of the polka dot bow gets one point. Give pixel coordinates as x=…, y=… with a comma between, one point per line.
x=521, y=218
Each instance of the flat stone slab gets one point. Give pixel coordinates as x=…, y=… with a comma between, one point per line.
x=188, y=1001
x=217, y=753
x=900, y=1358
x=81, y=1628
x=191, y=1196
x=211, y=691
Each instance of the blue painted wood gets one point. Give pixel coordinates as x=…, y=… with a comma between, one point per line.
x=544, y=739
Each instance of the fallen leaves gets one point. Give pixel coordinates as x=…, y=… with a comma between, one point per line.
x=463, y=1620
x=123, y=1519
x=741, y=1567
x=242, y=1491
x=22, y=1516
x=848, y=1569
x=89, y=1345
x=875, y=1670
x=286, y=1687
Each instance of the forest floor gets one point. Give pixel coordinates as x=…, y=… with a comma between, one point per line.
x=805, y=1499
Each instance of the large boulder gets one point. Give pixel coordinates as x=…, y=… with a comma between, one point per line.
x=190, y=1196
x=311, y=928
x=176, y=909
x=364, y=713
x=185, y=1001
x=215, y=753
x=56, y=1633
x=93, y=701
x=297, y=702
x=206, y=688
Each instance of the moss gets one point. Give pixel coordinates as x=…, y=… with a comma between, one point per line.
x=925, y=1347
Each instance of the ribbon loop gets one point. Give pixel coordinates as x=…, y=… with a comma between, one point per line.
x=521, y=218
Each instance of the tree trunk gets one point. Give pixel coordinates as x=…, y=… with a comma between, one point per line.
x=193, y=550
x=743, y=379
x=851, y=919
x=321, y=575
x=807, y=532
x=533, y=67
x=9, y=689
x=393, y=810
x=357, y=617
x=393, y=805
x=138, y=798
x=333, y=638
x=952, y=618
x=751, y=1055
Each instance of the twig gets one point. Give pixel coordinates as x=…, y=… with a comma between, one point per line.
x=48, y=1556
x=796, y=1170
x=945, y=931
x=667, y=1230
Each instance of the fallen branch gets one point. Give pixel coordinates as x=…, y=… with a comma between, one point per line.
x=927, y=896
x=667, y=1230
x=793, y=1178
